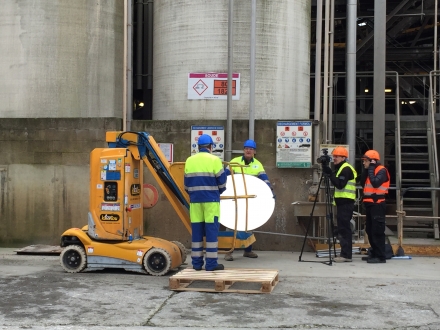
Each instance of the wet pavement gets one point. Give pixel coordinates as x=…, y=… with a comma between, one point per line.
x=36, y=293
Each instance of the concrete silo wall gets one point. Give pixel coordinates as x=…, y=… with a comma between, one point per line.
x=61, y=58
x=192, y=36
x=44, y=178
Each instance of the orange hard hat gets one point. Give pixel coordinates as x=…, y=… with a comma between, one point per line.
x=340, y=151
x=371, y=154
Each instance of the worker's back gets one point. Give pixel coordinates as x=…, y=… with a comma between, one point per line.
x=205, y=178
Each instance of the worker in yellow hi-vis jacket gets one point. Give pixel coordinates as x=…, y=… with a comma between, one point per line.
x=204, y=180
x=254, y=168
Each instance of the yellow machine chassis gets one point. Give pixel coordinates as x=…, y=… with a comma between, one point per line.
x=134, y=252
x=127, y=255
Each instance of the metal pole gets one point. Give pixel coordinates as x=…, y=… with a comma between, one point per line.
x=150, y=46
x=435, y=56
x=124, y=75
x=252, y=71
x=379, y=77
x=228, y=152
x=399, y=199
x=317, y=105
x=351, y=80
x=330, y=84
x=325, y=83
x=129, y=64
x=139, y=44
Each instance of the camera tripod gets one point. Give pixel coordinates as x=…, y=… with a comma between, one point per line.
x=328, y=216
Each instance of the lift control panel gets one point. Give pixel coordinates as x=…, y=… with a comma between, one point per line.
x=115, y=195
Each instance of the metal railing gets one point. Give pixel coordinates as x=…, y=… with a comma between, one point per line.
x=432, y=142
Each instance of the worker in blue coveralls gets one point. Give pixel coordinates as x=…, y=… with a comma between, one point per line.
x=255, y=168
x=204, y=180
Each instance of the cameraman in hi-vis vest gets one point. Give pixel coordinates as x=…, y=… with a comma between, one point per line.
x=344, y=181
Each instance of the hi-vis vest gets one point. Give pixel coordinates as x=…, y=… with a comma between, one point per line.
x=349, y=191
x=255, y=168
x=376, y=195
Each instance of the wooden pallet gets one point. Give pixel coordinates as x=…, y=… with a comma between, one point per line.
x=40, y=249
x=224, y=279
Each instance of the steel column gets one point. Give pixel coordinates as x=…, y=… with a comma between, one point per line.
x=379, y=77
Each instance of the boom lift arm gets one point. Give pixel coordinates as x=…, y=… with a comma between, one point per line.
x=143, y=147
x=114, y=236
x=170, y=178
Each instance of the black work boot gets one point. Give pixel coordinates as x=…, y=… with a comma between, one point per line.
x=218, y=267
x=376, y=261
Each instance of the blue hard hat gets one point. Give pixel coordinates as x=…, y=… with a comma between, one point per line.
x=204, y=139
x=250, y=144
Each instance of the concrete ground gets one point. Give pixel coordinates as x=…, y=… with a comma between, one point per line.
x=36, y=293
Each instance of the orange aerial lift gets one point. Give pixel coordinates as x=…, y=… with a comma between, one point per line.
x=114, y=236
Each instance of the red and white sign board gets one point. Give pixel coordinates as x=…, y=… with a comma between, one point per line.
x=150, y=196
x=167, y=149
x=212, y=86
x=217, y=133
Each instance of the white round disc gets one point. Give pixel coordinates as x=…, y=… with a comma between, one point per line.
x=260, y=207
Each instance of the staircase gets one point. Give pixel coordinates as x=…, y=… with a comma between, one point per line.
x=415, y=170
x=417, y=173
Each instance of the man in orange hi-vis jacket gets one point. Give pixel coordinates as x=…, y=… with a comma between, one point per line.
x=376, y=180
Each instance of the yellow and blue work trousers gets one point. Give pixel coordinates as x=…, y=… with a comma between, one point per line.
x=204, y=222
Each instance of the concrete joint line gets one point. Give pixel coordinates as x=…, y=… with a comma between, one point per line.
x=158, y=309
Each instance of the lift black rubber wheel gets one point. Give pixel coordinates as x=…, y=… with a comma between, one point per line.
x=73, y=259
x=157, y=262
x=183, y=251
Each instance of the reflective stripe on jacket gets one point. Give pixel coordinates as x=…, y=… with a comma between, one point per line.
x=349, y=191
x=376, y=195
x=205, y=178
x=255, y=168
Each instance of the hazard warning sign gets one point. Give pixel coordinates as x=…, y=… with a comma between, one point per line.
x=200, y=87
x=212, y=86
x=294, y=144
x=217, y=133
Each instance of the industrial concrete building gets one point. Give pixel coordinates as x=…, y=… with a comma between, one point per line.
x=70, y=71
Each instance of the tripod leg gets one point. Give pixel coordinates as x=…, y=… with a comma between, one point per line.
x=329, y=216
x=310, y=218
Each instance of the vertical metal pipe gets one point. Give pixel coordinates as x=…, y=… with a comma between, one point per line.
x=330, y=84
x=124, y=75
x=150, y=46
x=398, y=148
x=129, y=64
x=325, y=82
x=317, y=105
x=139, y=44
x=228, y=152
x=435, y=55
x=252, y=71
x=379, y=78
x=351, y=79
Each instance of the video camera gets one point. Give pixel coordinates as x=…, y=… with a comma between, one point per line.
x=325, y=159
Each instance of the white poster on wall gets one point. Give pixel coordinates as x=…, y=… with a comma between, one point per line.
x=167, y=149
x=212, y=86
x=294, y=144
x=217, y=133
